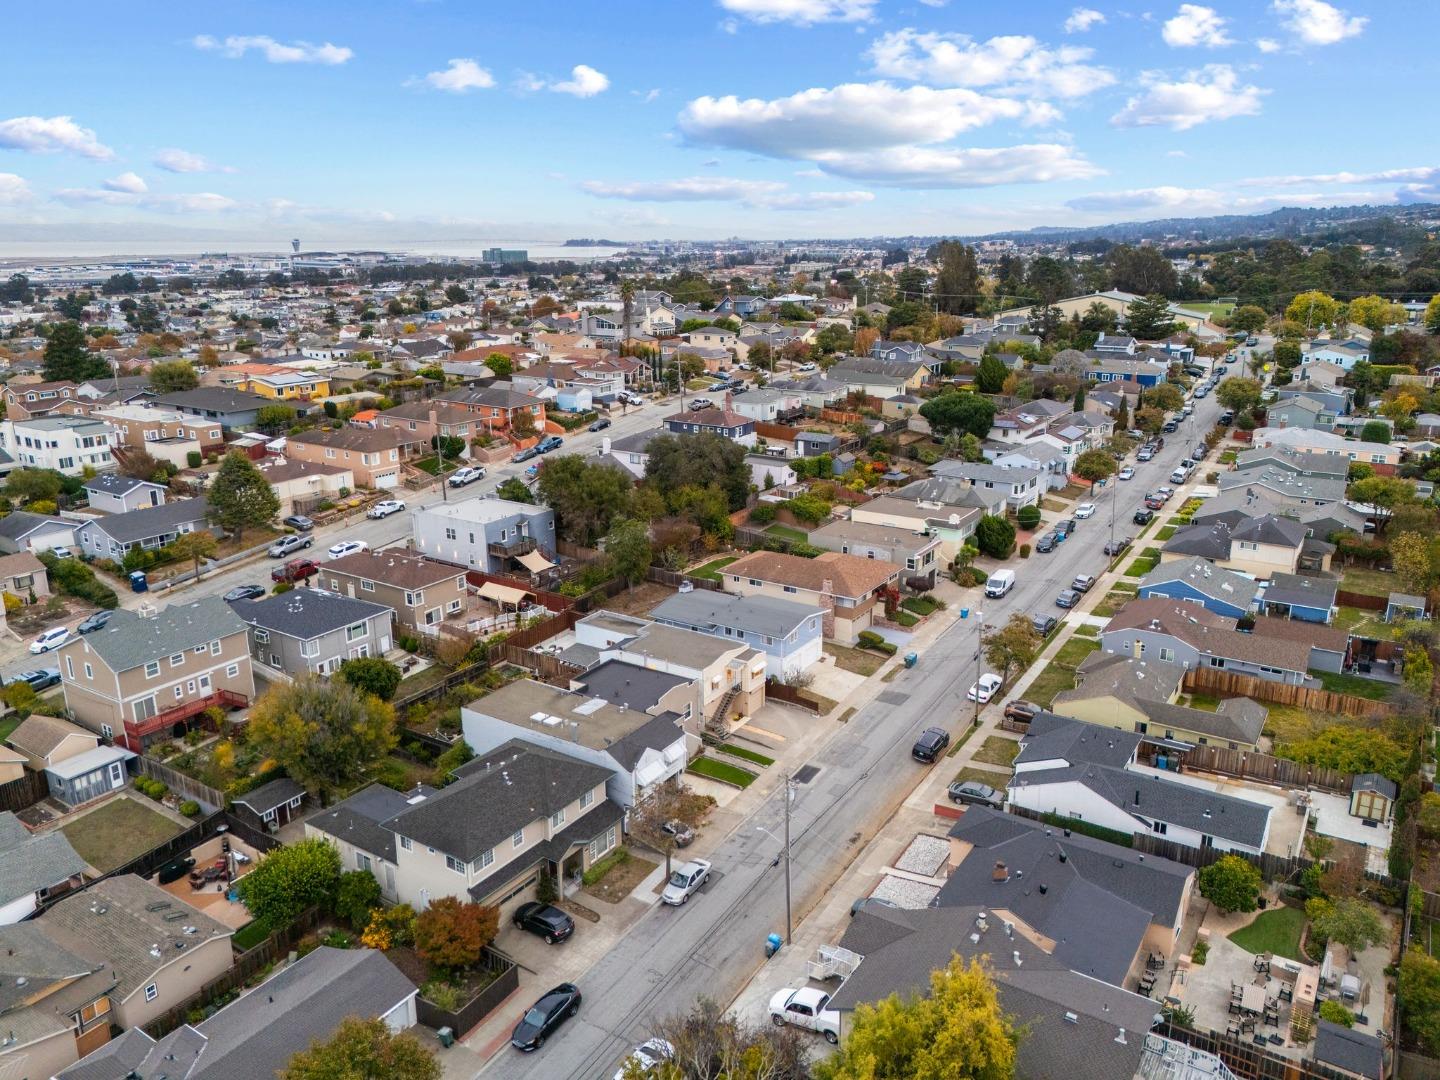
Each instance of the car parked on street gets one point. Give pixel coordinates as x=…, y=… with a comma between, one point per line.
x=299, y=522
x=544, y=920
x=930, y=745
x=806, y=1008
x=467, y=475
x=244, y=592
x=527, y=454
x=701, y=403
x=549, y=443
x=1116, y=546
x=1154, y=501
x=1127, y=473
x=645, y=1058
x=295, y=570
x=288, y=545
x=983, y=690
x=543, y=1018
x=346, y=547
x=1043, y=624
x=600, y=425
x=97, y=621
x=1068, y=598
x=1064, y=528
x=50, y=639
x=1145, y=453
x=1085, y=510
x=1083, y=583
x=975, y=794
x=1046, y=543
x=39, y=679
x=1144, y=515
x=385, y=507
x=685, y=880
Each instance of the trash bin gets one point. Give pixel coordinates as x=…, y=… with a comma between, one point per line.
x=446, y=1036
x=911, y=658
x=964, y=613
x=139, y=582
x=772, y=945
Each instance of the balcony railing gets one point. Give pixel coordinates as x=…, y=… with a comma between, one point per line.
x=136, y=731
x=521, y=545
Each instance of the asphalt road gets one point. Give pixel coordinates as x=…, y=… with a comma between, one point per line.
x=712, y=945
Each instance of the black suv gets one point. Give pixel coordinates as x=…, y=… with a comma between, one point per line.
x=930, y=745
x=1046, y=543
x=544, y=920
x=1143, y=516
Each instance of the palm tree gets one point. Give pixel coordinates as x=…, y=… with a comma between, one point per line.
x=627, y=298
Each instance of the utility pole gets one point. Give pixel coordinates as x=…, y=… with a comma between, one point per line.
x=789, y=794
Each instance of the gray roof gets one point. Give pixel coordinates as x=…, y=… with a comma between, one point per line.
x=1300, y=590
x=630, y=685
x=215, y=399
x=1206, y=579
x=30, y=861
x=1374, y=782
x=712, y=610
x=497, y=793
x=269, y=796
x=150, y=521
x=360, y=819
x=1354, y=1051
x=980, y=472
x=1051, y=737
x=21, y=523
x=129, y=640
x=308, y=613
x=581, y=831
x=117, y=483
x=1286, y=484
x=118, y=1058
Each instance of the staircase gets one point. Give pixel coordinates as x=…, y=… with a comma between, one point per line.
x=716, y=724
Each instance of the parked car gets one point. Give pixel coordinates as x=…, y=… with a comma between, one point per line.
x=1083, y=583
x=685, y=880
x=544, y=920
x=97, y=621
x=645, y=1058
x=299, y=522
x=1116, y=546
x=1154, y=501
x=1022, y=710
x=526, y=455
x=678, y=831
x=1085, y=510
x=1046, y=543
x=550, y=442
x=1145, y=454
x=1064, y=528
x=467, y=475
x=50, y=639
x=975, y=794
x=62, y=553
x=39, y=679
x=601, y=424
x=1068, y=598
x=931, y=743
x=701, y=403
x=629, y=397
x=1043, y=624
x=985, y=689
x=295, y=570
x=807, y=366
x=386, y=507
x=245, y=592
x=287, y=545
x=1178, y=476
x=1144, y=515
x=1226, y=418
x=805, y=1008
x=346, y=547
x=543, y=1018
x=1170, y=426
x=1127, y=473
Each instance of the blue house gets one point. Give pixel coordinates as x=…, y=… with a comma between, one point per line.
x=1303, y=597
x=1197, y=581
x=1117, y=370
x=714, y=421
x=789, y=633
x=740, y=305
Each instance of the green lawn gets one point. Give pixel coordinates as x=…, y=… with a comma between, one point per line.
x=905, y=618
x=8, y=724
x=1075, y=650
x=1166, y=532
x=1147, y=561
x=1086, y=630
x=997, y=750
x=786, y=532
x=117, y=832
x=711, y=570
x=1362, y=579
x=996, y=780
x=430, y=464
x=746, y=754
x=1355, y=685
x=722, y=771
x=920, y=605
x=1210, y=307
x=1054, y=679
x=1113, y=602
x=251, y=934
x=1366, y=624
x=1204, y=701
x=855, y=661
x=1275, y=931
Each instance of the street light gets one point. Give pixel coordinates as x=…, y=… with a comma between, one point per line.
x=789, y=797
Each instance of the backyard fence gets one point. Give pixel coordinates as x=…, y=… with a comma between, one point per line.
x=25, y=792
x=1252, y=765
x=1212, y=681
x=778, y=691
x=1429, y=904
x=184, y=785
x=1361, y=600
x=443, y=687
x=1246, y=1059
x=674, y=579
x=552, y=600
x=465, y=1019
x=548, y=668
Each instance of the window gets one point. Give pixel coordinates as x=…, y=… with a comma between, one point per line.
x=215, y=648
x=406, y=844
x=200, y=649
x=367, y=586
x=179, y=691
x=354, y=631
x=177, y=660
x=152, y=669
x=1159, y=827
x=586, y=799
x=454, y=864
x=89, y=671
x=791, y=588
x=486, y=858
x=557, y=818
x=233, y=671
x=1167, y=654
x=310, y=648
x=518, y=840
x=753, y=581
x=453, y=606
x=362, y=861
x=69, y=667
x=152, y=992
x=262, y=636
x=414, y=599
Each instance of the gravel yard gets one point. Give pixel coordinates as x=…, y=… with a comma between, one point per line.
x=925, y=855
x=902, y=892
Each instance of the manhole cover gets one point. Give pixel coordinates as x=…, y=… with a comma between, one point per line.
x=893, y=697
x=806, y=773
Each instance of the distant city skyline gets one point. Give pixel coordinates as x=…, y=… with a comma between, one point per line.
x=411, y=122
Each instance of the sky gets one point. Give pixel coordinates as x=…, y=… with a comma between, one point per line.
x=368, y=122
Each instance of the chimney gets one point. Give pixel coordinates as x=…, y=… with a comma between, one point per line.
x=1000, y=873
x=605, y=444
x=827, y=586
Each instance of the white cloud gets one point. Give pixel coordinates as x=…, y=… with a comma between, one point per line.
x=802, y=12
x=849, y=117
x=276, y=52
x=820, y=200
x=1010, y=64
x=1193, y=25
x=52, y=135
x=935, y=3
x=1214, y=92
x=1314, y=22
x=1422, y=174
x=1176, y=153
x=13, y=189
x=646, y=96
x=128, y=182
x=459, y=77
x=1267, y=45
x=941, y=167
x=1082, y=19
x=200, y=202
x=182, y=161
x=763, y=194
x=1167, y=201
x=584, y=82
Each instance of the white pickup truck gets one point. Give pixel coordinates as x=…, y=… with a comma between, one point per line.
x=806, y=1009
x=684, y=880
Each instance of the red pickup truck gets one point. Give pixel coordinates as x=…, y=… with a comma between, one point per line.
x=295, y=570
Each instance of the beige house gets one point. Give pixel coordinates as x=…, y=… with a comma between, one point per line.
x=23, y=575
x=146, y=676
x=1258, y=546
x=423, y=593
x=162, y=433
x=302, y=485
x=43, y=741
x=12, y=764
x=847, y=587
x=373, y=455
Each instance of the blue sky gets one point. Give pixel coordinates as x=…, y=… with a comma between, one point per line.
x=707, y=118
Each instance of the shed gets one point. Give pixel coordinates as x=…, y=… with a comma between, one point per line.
x=1372, y=797
x=78, y=779
x=1352, y=1052
x=1404, y=606
x=271, y=805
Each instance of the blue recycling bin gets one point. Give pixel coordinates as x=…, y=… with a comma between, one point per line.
x=911, y=658
x=139, y=582
x=772, y=945
x=964, y=613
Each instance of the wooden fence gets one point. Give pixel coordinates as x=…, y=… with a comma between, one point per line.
x=465, y=1019
x=1252, y=765
x=547, y=668
x=674, y=580
x=25, y=792
x=778, y=691
x=1363, y=601
x=552, y=600
x=443, y=687
x=1246, y=1059
x=1429, y=904
x=187, y=787
x=1213, y=681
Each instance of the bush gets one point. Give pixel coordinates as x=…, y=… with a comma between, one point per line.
x=1028, y=516
x=868, y=639
x=443, y=995
x=356, y=897
x=763, y=514
x=451, y=935
x=1024, y=551
x=1231, y=884
x=995, y=536
x=1336, y=1013
x=74, y=578
x=1199, y=953
x=190, y=808
x=193, y=459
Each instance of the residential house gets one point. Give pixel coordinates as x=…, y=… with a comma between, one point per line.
x=24, y=531
x=421, y=592
x=1382, y=457
x=371, y=454
x=314, y=630
x=716, y=337
x=1115, y=343
x=492, y=535
x=1330, y=646
x=846, y=587
x=23, y=576
x=419, y=422
x=1343, y=354
x=812, y=392
x=26, y=401
x=1372, y=797
x=716, y=420
x=1258, y=546
x=56, y=1003
x=789, y=633
x=1302, y=411
x=151, y=528
x=34, y=868
x=1335, y=400
x=302, y=485
x=144, y=676
x=1285, y=488
x=1187, y=634
x=166, y=434
x=233, y=410
x=766, y=470
x=879, y=378
x=630, y=452
x=48, y=740
x=497, y=405
x=356, y=828
x=1197, y=581
x=917, y=553
x=115, y=494
x=1297, y=462
x=1074, y=769
x=289, y=384
x=66, y=444
x=270, y=806
x=1238, y=503
x=767, y=405
x=257, y=1034
x=1020, y=486
x=1306, y=597
x=1131, y=694
x=1111, y=369
x=946, y=508
x=743, y=306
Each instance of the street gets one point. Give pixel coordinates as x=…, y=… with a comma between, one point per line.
x=712, y=945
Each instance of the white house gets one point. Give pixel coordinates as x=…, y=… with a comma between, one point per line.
x=66, y=444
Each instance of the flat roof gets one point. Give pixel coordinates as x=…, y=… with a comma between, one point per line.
x=591, y=722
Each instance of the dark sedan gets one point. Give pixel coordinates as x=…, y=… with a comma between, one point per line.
x=39, y=679
x=527, y=454
x=94, y=622
x=600, y=425
x=544, y=920
x=547, y=1014
x=245, y=592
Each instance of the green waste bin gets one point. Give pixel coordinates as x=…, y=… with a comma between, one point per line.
x=446, y=1036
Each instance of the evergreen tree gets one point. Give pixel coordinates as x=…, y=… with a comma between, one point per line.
x=240, y=497
x=68, y=360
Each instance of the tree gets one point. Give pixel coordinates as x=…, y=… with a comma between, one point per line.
x=1419, y=994
x=1414, y=558
x=1382, y=494
x=1432, y=315
x=363, y=1050
x=20, y=696
x=195, y=546
x=584, y=494
x=290, y=879
x=1231, y=884
x=67, y=357
x=708, y=1043
x=274, y=417
x=33, y=485
x=995, y=536
x=1312, y=309
x=957, y=285
x=1149, y=318
x=866, y=337
x=1238, y=393
x=1248, y=317
x=1143, y=270
x=1166, y=397
x=524, y=425
x=1078, y=405
x=1149, y=420
x=990, y=378
x=240, y=497
x=970, y=448
x=1095, y=465
x=1350, y=921
x=171, y=376
x=1013, y=646
x=515, y=490
x=1349, y=749
x=501, y=365
x=373, y=674
x=1375, y=313
x=356, y=898
x=451, y=935
x=1028, y=516
x=456, y=294
x=1399, y=409
x=326, y=734
x=959, y=412
x=628, y=546
x=697, y=461
x=958, y=1031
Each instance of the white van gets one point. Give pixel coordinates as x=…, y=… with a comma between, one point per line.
x=1001, y=582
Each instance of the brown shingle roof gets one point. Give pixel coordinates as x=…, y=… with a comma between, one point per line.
x=277, y=472
x=849, y=575
x=39, y=734
x=402, y=571
x=366, y=440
